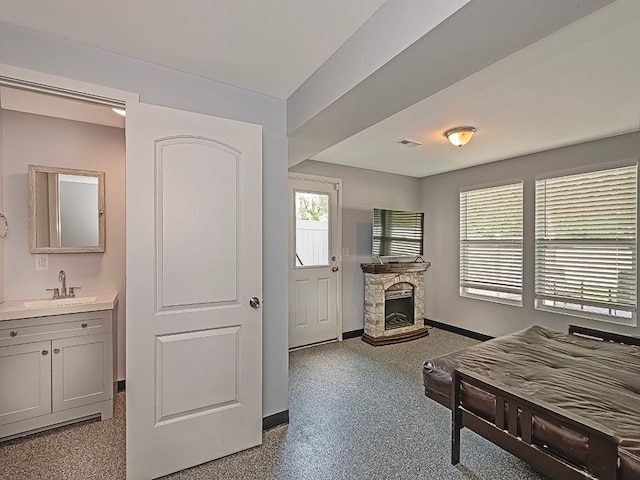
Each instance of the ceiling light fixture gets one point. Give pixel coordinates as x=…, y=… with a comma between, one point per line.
x=459, y=136
x=120, y=111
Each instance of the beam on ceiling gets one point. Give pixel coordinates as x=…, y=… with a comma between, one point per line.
x=323, y=112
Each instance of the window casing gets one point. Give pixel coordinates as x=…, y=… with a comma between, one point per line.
x=491, y=243
x=586, y=244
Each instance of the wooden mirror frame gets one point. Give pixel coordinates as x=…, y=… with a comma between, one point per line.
x=33, y=248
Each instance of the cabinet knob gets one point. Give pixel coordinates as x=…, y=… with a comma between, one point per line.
x=13, y=333
x=45, y=352
x=56, y=350
x=84, y=325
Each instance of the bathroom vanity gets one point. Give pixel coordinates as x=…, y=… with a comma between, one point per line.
x=57, y=362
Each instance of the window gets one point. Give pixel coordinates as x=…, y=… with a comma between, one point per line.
x=312, y=229
x=491, y=243
x=586, y=244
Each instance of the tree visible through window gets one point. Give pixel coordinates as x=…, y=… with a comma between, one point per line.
x=311, y=206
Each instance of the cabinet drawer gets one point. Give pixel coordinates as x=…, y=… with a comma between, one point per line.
x=34, y=330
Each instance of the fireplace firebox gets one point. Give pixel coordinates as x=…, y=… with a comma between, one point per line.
x=398, y=306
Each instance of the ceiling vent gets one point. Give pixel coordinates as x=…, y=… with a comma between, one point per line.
x=409, y=143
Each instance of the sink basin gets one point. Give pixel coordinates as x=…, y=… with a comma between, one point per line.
x=59, y=302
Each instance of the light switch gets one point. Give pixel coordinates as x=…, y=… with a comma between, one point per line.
x=42, y=262
x=345, y=252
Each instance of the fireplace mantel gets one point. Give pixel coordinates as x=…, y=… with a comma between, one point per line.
x=378, y=279
x=400, y=267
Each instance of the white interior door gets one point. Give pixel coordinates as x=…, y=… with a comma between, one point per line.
x=314, y=260
x=194, y=263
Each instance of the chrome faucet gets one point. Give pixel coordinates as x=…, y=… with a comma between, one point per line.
x=62, y=277
x=62, y=292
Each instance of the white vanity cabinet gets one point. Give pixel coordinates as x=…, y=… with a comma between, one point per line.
x=55, y=369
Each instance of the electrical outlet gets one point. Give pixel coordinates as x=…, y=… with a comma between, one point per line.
x=42, y=262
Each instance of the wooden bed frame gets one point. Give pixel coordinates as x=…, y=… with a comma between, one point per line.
x=512, y=428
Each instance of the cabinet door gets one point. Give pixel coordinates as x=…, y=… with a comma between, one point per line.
x=82, y=371
x=25, y=381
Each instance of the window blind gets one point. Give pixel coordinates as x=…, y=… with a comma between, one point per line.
x=491, y=243
x=586, y=241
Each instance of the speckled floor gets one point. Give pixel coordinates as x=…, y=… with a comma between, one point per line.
x=356, y=412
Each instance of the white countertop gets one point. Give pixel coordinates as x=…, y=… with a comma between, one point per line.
x=15, y=309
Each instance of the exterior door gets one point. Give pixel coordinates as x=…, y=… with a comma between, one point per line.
x=194, y=265
x=314, y=260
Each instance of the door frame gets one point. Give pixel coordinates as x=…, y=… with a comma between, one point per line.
x=337, y=182
x=75, y=89
x=65, y=87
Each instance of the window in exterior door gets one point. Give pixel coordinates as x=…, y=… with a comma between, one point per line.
x=312, y=229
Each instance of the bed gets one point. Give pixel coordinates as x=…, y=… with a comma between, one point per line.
x=566, y=403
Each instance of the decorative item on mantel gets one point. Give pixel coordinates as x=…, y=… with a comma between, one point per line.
x=394, y=302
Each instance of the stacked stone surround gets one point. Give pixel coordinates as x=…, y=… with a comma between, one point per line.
x=377, y=279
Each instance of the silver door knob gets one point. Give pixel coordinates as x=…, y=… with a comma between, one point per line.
x=254, y=302
x=334, y=269
x=13, y=333
x=56, y=350
x=45, y=352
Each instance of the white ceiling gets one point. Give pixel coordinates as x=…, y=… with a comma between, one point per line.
x=578, y=84
x=269, y=47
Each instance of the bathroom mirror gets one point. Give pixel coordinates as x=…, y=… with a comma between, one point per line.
x=66, y=210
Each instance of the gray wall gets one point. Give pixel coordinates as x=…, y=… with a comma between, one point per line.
x=35, y=139
x=362, y=191
x=439, y=196
x=162, y=86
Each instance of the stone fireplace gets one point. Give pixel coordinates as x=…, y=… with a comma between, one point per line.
x=394, y=302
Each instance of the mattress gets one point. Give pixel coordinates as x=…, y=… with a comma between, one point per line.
x=598, y=381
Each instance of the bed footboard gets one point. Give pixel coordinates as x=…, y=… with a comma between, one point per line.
x=512, y=430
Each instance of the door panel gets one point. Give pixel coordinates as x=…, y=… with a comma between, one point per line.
x=324, y=300
x=194, y=260
x=187, y=169
x=209, y=386
x=314, y=275
x=25, y=379
x=81, y=371
x=301, y=303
